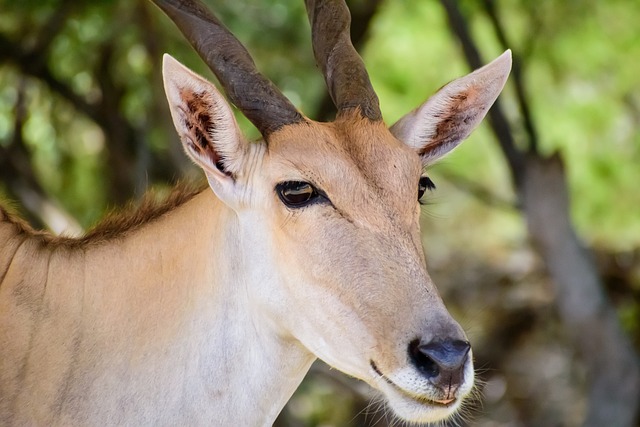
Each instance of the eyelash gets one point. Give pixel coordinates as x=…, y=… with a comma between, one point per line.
x=424, y=184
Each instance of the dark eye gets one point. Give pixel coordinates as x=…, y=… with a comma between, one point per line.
x=425, y=184
x=296, y=194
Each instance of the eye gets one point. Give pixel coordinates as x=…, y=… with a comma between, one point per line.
x=425, y=184
x=296, y=194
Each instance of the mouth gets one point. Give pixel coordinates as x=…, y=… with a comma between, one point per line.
x=422, y=400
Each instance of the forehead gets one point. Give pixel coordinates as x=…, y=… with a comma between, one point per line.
x=352, y=156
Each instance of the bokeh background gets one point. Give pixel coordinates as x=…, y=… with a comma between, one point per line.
x=533, y=234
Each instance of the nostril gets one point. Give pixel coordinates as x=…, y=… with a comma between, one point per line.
x=449, y=355
x=446, y=357
x=422, y=361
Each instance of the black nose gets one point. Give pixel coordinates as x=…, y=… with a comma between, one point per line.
x=442, y=361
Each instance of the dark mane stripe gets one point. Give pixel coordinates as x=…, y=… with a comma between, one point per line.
x=117, y=223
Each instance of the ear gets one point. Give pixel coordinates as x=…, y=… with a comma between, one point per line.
x=448, y=117
x=205, y=123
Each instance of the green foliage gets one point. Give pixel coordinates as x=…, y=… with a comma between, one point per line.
x=580, y=70
x=581, y=73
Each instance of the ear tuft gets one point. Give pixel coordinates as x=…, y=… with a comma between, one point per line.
x=448, y=117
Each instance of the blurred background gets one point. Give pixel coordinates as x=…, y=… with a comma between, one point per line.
x=533, y=233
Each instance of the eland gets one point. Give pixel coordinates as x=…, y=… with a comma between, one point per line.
x=210, y=309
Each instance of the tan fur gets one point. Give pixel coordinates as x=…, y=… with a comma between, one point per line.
x=208, y=309
x=72, y=313
x=371, y=179
x=115, y=224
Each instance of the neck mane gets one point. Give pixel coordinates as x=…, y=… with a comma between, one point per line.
x=115, y=224
x=145, y=320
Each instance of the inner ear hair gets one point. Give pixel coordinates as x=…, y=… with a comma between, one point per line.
x=200, y=126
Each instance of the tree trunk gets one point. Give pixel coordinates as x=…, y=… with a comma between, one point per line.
x=589, y=317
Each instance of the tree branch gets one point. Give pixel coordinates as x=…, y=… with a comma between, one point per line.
x=9, y=52
x=516, y=74
x=22, y=184
x=498, y=119
x=51, y=29
x=481, y=193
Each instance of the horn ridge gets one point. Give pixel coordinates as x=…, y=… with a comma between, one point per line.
x=255, y=95
x=343, y=69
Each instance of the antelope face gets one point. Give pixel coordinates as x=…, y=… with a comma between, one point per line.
x=329, y=212
x=345, y=227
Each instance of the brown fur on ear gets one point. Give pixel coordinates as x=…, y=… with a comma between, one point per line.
x=200, y=127
x=448, y=117
x=452, y=123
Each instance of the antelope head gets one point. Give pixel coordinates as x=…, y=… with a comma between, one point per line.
x=328, y=213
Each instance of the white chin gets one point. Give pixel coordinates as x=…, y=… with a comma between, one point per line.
x=418, y=411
